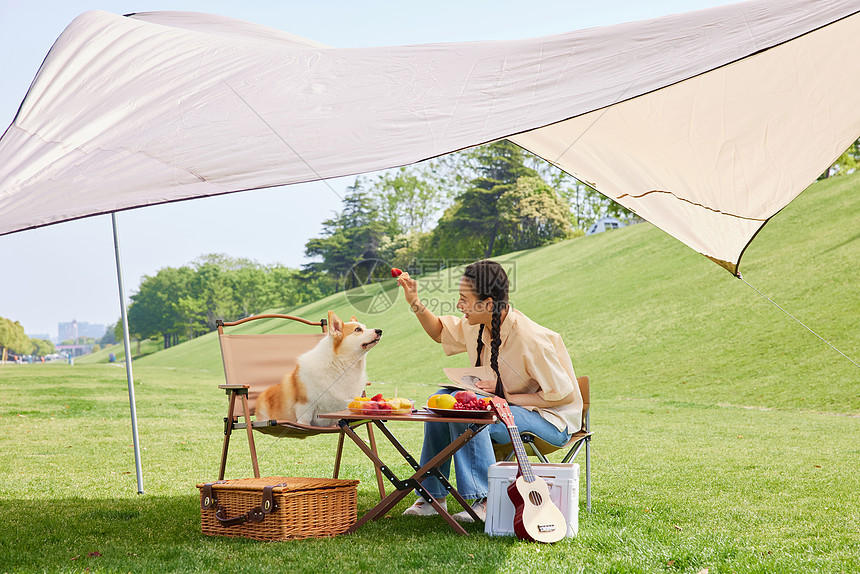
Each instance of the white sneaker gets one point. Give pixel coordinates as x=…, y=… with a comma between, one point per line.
x=424, y=508
x=480, y=508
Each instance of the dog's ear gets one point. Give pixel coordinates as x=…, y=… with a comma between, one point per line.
x=335, y=325
x=353, y=319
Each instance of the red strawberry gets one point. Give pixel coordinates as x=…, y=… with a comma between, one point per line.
x=395, y=272
x=377, y=397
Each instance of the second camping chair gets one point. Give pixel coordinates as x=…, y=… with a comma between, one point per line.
x=536, y=446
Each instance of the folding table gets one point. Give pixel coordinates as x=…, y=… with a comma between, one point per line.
x=403, y=487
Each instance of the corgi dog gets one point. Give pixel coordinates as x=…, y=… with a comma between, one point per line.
x=325, y=379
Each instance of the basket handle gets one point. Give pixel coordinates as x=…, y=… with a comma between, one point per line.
x=253, y=515
x=256, y=514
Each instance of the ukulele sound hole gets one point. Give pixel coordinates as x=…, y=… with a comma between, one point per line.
x=535, y=498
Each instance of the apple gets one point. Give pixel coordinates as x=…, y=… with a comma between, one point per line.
x=465, y=397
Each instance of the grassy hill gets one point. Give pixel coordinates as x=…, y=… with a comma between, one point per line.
x=645, y=316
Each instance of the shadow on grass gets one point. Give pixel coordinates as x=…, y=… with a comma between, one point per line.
x=162, y=534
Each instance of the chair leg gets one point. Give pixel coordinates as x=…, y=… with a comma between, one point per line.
x=541, y=456
x=574, y=450
x=588, y=473
x=571, y=454
x=228, y=430
x=250, y=430
x=337, y=457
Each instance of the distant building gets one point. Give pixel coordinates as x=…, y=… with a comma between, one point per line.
x=75, y=329
x=604, y=224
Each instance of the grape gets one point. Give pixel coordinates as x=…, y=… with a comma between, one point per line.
x=474, y=405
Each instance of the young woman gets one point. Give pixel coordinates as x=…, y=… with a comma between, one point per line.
x=532, y=368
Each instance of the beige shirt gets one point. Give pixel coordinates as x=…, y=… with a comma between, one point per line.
x=531, y=359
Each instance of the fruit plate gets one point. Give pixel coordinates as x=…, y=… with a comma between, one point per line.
x=356, y=411
x=460, y=413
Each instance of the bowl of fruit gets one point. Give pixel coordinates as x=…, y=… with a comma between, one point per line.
x=461, y=403
x=379, y=405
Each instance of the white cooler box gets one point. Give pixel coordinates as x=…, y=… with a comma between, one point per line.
x=563, y=483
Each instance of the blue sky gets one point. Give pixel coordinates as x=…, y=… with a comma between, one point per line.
x=68, y=271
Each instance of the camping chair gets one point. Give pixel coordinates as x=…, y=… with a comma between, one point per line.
x=540, y=448
x=253, y=362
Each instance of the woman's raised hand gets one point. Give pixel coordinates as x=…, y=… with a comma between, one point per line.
x=430, y=322
x=410, y=288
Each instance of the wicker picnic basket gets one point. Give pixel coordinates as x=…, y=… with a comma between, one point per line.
x=277, y=507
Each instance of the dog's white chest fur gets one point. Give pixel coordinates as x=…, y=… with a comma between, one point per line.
x=330, y=380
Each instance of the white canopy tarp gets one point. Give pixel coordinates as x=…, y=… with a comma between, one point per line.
x=706, y=124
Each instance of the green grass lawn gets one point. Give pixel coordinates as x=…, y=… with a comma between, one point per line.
x=727, y=435
x=679, y=486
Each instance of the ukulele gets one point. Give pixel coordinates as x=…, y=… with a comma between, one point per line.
x=536, y=518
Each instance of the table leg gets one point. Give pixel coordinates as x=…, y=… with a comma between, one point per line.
x=404, y=487
x=432, y=467
x=434, y=471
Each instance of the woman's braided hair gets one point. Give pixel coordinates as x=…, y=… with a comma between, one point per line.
x=489, y=279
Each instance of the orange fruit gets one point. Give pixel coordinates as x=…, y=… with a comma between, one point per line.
x=431, y=402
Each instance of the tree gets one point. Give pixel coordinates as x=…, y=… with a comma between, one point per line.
x=209, y=298
x=586, y=204
x=160, y=306
x=182, y=303
x=410, y=251
x=411, y=199
x=847, y=163
x=110, y=337
x=473, y=222
x=354, y=235
x=228, y=288
x=13, y=338
x=293, y=287
x=252, y=290
x=532, y=215
x=43, y=347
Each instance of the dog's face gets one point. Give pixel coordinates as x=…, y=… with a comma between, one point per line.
x=351, y=337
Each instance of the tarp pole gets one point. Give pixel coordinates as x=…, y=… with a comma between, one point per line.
x=127, y=342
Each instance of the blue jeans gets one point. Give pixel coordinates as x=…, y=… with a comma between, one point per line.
x=472, y=462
